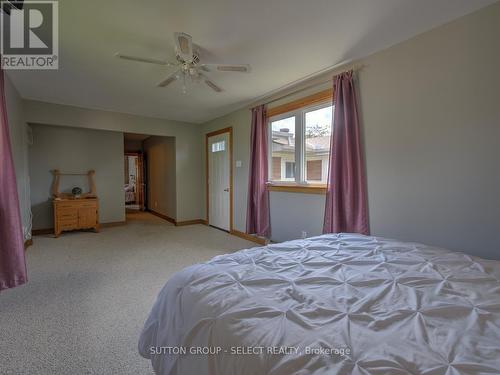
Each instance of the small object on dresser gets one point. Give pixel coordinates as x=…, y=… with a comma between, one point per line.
x=76, y=191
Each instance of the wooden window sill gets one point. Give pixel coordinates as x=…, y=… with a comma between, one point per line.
x=294, y=188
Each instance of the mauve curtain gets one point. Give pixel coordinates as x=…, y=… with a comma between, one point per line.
x=12, y=262
x=258, y=195
x=346, y=203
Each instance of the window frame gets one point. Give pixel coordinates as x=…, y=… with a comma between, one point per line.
x=300, y=184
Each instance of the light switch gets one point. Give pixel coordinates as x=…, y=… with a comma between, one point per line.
x=238, y=163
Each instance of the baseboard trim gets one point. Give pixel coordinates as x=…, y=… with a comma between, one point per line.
x=164, y=217
x=249, y=237
x=178, y=223
x=28, y=243
x=190, y=222
x=40, y=232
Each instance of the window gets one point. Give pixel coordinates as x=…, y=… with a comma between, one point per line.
x=218, y=146
x=283, y=149
x=317, y=130
x=300, y=145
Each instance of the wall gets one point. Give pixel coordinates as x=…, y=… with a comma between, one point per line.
x=294, y=213
x=74, y=150
x=132, y=145
x=161, y=184
x=19, y=146
x=188, y=158
x=431, y=128
x=432, y=134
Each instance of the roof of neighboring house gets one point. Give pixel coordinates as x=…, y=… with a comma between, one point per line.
x=286, y=142
x=318, y=143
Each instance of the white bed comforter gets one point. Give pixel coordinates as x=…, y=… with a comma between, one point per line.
x=333, y=304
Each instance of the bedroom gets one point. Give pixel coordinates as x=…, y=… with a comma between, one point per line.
x=425, y=78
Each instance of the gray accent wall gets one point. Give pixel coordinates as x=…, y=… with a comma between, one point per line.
x=294, y=213
x=431, y=115
x=76, y=150
x=431, y=129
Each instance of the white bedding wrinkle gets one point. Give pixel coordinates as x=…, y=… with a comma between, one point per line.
x=333, y=304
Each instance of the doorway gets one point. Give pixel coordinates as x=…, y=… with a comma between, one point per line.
x=134, y=181
x=219, y=178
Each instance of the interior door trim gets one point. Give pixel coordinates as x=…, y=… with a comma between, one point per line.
x=207, y=193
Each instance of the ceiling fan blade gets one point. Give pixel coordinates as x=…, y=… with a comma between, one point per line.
x=184, y=46
x=242, y=68
x=212, y=85
x=142, y=59
x=167, y=81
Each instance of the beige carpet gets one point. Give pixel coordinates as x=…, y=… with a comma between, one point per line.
x=89, y=294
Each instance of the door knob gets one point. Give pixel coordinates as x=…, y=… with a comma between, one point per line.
x=226, y=189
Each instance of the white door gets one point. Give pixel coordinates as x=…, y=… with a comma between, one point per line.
x=219, y=181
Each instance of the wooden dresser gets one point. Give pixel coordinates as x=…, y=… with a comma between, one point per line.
x=72, y=214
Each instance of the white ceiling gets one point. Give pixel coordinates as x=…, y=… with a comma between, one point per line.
x=282, y=40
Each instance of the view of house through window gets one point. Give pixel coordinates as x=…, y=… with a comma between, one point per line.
x=300, y=145
x=318, y=129
x=283, y=149
x=290, y=169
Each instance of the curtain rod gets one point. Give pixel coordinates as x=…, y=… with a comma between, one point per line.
x=335, y=69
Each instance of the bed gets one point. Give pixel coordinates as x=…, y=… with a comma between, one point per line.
x=333, y=304
x=129, y=193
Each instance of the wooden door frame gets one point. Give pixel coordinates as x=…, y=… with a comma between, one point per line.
x=207, y=192
x=140, y=173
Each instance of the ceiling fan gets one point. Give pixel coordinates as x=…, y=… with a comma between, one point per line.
x=188, y=66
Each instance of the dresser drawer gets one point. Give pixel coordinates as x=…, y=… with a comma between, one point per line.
x=88, y=204
x=64, y=205
x=75, y=204
x=68, y=224
x=67, y=213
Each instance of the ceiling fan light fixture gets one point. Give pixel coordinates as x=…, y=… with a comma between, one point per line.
x=188, y=66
